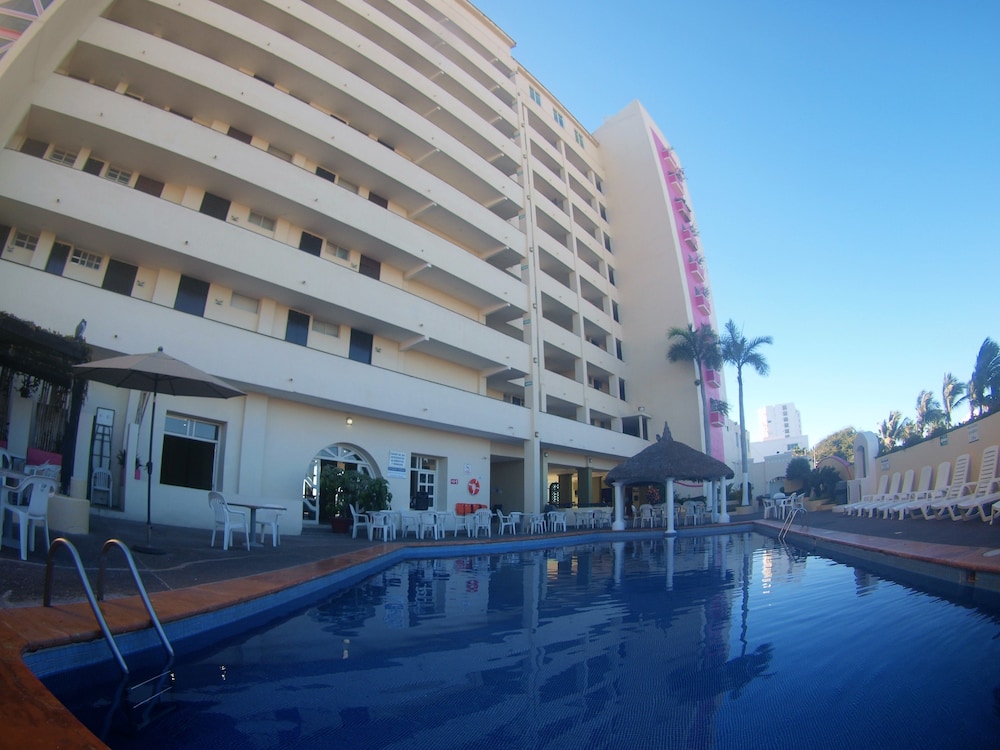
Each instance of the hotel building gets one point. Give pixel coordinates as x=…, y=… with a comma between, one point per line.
x=366, y=215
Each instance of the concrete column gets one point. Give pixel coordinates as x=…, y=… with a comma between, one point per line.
x=670, y=510
x=619, y=522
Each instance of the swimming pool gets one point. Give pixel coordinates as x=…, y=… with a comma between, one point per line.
x=728, y=641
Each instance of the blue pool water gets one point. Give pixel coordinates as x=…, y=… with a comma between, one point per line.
x=700, y=642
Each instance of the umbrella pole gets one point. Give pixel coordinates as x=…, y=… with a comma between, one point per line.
x=149, y=549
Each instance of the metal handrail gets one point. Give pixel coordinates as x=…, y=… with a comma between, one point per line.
x=787, y=523
x=47, y=598
x=110, y=544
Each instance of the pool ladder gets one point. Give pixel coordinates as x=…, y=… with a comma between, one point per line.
x=787, y=523
x=152, y=689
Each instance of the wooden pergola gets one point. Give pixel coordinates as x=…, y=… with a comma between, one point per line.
x=663, y=462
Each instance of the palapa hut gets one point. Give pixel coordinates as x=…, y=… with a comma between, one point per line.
x=663, y=462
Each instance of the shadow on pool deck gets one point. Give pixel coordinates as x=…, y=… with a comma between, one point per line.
x=191, y=578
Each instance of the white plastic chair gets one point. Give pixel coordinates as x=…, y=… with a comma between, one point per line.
x=270, y=517
x=228, y=520
x=384, y=525
x=506, y=522
x=484, y=522
x=537, y=523
x=50, y=471
x=645, y=515
x=557, y=520
x=32, y=508
x=100, y=487
x=429, y=521
x=360, y=520
x=410, y=522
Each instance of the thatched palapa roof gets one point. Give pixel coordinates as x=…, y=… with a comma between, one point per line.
x=668, y=459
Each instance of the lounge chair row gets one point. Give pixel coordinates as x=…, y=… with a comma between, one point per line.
x=952, y=496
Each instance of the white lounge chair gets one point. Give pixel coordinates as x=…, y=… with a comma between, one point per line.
x=976, y=498
x=875, y=501
x=923, y=486
x=905, y=491
x=937, y=507
x=922, y=497
x=851, y=508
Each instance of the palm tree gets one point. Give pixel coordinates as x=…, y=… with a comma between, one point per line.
x=739, y=352
x=929, y=414
x=892, y=431
x=984, y=386
x=700, y=347
x=953, y=393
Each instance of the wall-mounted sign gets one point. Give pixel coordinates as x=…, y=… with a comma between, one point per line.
x=397, y=464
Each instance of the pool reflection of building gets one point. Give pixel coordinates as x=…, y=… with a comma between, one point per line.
x=587, y=656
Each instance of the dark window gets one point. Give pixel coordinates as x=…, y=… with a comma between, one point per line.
x=611, y=275
x=370, y=267
x=187, y=462
x=239, y=135
x=214, y=206
x=311, y=244
x=120, y=277
x=31, y=147
x=361, y=347
x=598, y=184
x=297, y=329
x=378, y=200
x=607, y=244
x=149, y=185
x=93, y=166
x=57, y=258
x=326, y=174
x=621, y=389
x=632, y=426
x=604, y=211
x=614, y=312
x=618, y=349
x=192, y=294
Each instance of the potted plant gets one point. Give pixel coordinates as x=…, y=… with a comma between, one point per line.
x=341, y=488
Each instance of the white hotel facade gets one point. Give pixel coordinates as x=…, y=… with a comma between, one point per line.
x=370, y=218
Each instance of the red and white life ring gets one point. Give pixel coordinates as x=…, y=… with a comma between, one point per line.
x=473, y=486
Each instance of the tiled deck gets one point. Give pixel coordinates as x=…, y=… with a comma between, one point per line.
x=191, y=579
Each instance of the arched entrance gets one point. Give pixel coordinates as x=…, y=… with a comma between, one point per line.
x=341, y=455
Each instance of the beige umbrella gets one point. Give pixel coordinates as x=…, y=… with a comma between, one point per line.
x=156, y=373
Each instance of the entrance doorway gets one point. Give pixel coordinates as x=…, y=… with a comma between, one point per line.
x=423, y=481
x=347, y=457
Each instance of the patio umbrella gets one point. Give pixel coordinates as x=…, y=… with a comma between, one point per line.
x=156, y=373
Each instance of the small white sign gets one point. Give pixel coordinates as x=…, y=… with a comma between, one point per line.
x=397, y=464
x=468, y=468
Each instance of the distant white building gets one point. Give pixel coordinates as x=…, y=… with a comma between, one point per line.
x=781, y=431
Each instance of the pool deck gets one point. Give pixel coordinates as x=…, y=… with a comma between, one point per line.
x=190, y=579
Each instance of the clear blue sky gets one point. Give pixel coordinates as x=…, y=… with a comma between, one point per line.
x=843, y=160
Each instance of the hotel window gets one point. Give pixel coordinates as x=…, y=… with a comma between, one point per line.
x=535, y=96
x=242, y=302
x=326, y=174
x=607, y=243
x=61, y=156
x=239, y=135
x=215, y=206
x=311, y=244
x=341, y=252
x=297, y=328
x=264, y=222
x=361, y=346
x=621, y=389
x=85, y=260
x=121, y=176
x=369, y=267
x=611, y=276
x=598, y=184
x=119, y=277
x=31, y=147
x=327, y=329
x=614, y=312
x=192, y=294
x=149, y=186
x=190, y=452
x=557, y=116
x=25, y=241
x=603, y=211
x=283, y=155
x=378, y=200
x=618, y=349
x=57, y=258
x=93, y=166
x=579, y=138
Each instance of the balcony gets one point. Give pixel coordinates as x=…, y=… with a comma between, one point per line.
x=695, y=267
